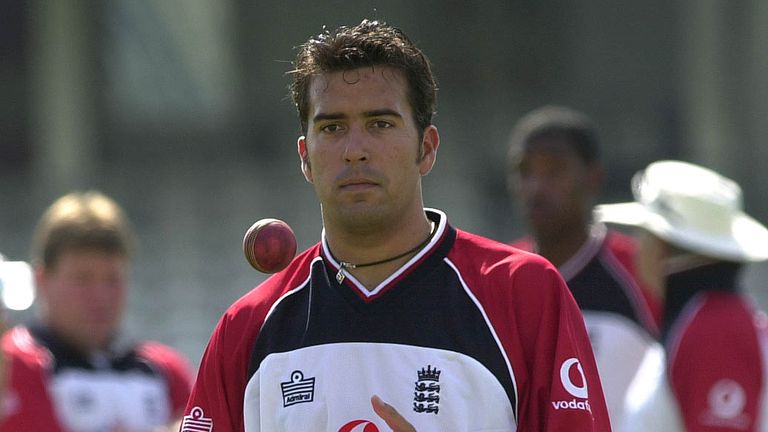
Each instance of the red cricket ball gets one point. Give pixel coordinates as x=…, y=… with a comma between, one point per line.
x=269, y=245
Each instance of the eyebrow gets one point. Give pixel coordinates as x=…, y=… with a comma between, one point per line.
x=373, y=113
x=382, y=113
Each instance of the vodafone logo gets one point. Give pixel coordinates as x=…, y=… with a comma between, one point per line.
x=727, y=399
x=359, y=426
x=569, y=370
x=565, y=376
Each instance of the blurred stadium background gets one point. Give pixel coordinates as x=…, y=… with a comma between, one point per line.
x=179, y=110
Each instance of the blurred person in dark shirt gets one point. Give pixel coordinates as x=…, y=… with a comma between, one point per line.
x=555, y=174
x=72, y=369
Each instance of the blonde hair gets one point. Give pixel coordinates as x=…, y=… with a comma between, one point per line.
x=81, y=220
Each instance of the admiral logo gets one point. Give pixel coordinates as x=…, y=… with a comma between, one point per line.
x=84, y=401
x=426, y=397
x=298, y=390
x=196, y=421
x=576, y=389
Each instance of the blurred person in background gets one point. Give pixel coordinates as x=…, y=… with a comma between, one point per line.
x=711, y=373
x=556, y=174
x=17, y=293
x=72, y=369
x=3, y=368
x=454, y=331
x=3, y=326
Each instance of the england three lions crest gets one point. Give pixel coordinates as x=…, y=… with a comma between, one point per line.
x=426, y=395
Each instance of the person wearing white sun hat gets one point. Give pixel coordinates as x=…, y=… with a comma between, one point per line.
x=711, y=372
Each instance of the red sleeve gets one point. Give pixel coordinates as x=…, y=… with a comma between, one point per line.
x=543, y=335
x=524, y=243
x=564, y=391
x=218, y=392
x=716, y=365
x=175, y=368
x=26, y=403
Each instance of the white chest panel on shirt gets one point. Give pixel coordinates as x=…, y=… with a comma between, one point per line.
x=104, y=400
x=328, y=388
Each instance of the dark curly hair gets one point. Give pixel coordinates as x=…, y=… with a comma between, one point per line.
x=370, y=43
x=555, y=120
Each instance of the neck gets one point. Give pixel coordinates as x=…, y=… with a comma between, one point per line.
x=559, y=249
x=683, y=285
x=373, y=257
x=69, y=341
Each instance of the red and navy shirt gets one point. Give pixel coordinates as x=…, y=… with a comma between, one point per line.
x=52, y=388
x=602, y=277
x=713, y=376
x=620, y=317
x=469, y=334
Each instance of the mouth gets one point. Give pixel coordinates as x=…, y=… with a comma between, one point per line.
x=538, y=209
x=356, y=184
x=99, y=317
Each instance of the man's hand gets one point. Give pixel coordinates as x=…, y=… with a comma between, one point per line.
x=390, y=415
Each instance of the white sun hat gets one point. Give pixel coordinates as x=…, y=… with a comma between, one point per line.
x=693, y=208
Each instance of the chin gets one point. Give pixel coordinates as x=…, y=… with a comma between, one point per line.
x=538, y=226
x=362, y=217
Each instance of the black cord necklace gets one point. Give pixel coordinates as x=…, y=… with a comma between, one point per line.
x=344, y=266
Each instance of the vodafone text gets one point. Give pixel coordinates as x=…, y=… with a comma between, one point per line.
x=572, y=404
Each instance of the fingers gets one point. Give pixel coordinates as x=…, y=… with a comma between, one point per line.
x=390, y=416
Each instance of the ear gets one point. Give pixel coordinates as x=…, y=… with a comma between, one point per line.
x=41, y=280
x=429, y=144
x=306, y=168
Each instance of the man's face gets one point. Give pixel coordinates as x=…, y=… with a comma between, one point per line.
x=362, y=148
x=83, y=296
x=555, y=187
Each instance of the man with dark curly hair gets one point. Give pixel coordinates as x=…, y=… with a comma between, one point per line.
x=454, y=331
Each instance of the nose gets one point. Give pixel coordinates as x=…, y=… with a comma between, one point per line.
x=532, y=185
x=356, y=146
x=104, y=292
